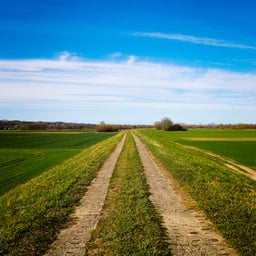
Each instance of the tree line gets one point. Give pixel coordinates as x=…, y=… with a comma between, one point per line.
x=104, y=127
x=165, y=124
x=29, y=125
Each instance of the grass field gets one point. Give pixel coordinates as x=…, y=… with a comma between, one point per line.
x=227, y=198
x=130, y=224
x=31, y=213
x=238, y=145
x=243, y=152
x=24, y=155
x=43, y=175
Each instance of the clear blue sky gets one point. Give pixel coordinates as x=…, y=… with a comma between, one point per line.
x=133, y=61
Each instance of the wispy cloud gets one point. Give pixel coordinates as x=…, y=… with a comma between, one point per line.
x=195, y=40
x=64, y=56
x=126, y=85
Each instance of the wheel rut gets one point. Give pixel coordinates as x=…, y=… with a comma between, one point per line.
x=72, y=240
x=190, y=232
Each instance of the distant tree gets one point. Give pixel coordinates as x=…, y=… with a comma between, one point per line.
x=177, y=127
x=103, y=127
x=157, y=125
x=166, y=124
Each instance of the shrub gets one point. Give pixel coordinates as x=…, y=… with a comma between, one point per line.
x=103, y=127
x=167, y=125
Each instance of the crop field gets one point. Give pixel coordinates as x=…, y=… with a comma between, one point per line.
x=238, y=145
x=43, y=175
x=24, y=155
x=227, y=198
x=243, y=152
x=31, y=213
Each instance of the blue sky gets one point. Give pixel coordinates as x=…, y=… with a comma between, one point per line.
x=135, y=62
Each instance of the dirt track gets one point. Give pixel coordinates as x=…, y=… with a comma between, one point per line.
x=72, y=240
x=190, y=233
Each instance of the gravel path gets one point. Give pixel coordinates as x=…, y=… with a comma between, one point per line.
x=190, y=232
x=72, y=240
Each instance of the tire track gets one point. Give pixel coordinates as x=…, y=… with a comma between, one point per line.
x=72, y=240
x=190, y=232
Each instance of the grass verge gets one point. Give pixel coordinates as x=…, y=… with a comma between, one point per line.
x=129, y=224
x=227, y=198
x=31, y=213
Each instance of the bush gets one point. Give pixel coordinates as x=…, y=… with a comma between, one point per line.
x=167, y=125
x=102, y=127
x=157, y=125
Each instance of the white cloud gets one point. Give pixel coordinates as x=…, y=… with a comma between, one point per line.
x=131, y=59
x=131, y=84
x=195, y=40
x=64, y=56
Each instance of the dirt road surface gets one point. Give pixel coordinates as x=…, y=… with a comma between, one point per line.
x=190, y=232
x=72, y=240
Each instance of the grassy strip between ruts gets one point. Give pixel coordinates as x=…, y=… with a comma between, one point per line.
x=227, y=198
x=30, y=214
x=129, y=224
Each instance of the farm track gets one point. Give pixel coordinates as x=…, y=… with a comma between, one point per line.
x=190, y=232
x=72, y=240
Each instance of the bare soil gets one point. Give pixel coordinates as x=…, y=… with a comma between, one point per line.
x=190, y=232
x=72, y=240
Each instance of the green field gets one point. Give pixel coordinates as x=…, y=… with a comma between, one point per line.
x=33, y=212
x=43, y=175
x=243, y=152
x=238, y=145
x=227, y=198
x=24, y=155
